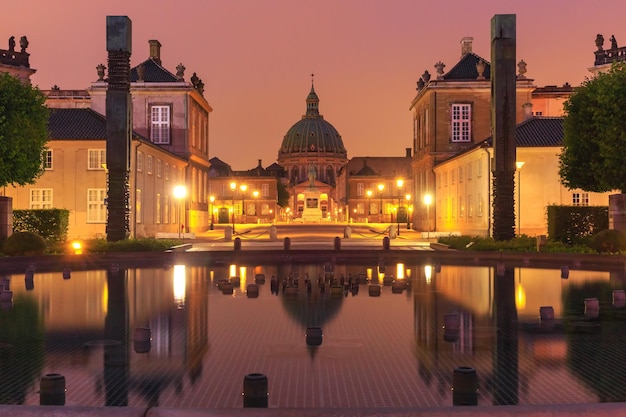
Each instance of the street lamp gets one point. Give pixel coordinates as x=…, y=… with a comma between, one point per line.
x=408, y=211
x=180, y=192
x=243, y=188
x=428, y=199
x=400, y=184
x=381, y=187
x=211, y=200
x=233, y=188
x=519, y=165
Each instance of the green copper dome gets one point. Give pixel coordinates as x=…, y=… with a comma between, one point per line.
x=312, y=134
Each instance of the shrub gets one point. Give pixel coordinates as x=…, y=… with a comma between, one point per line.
x=609, y=240
x=24, y=243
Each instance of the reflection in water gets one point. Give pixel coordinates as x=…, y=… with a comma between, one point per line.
x=389, y=350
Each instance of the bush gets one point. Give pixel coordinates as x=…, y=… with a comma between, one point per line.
x=24, y=243
x=609, y=240
x=130, y=245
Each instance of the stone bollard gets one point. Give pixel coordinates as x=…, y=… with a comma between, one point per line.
x=386, y=243
x=619, y=299
x=142, y=340
x=393, y=232
x=273, y=233
x=314, y=336
x=237, y=245
x=287, y=243
x=255, y=391
x=52, y=390
x=252, y=291
x=592, y=308
x=374, y=290
x=464, y=386
x=337, y=243
x=347, y=232
x=228, y=233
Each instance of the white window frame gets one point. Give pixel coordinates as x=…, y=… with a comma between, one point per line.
x=160, y=123
x=575, y=199
x=159, y=168
x=96, y=159
x=139, y=161
x=47, y=160
x=461, y=122
x=96, y=207
x=360, y=189
x=40, y=198
x=265, y=190
x=149, y=164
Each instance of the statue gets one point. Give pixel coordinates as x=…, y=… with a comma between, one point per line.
x=12, y=44
x=312, y=175
x=613, y=42
x=599, y=41
x=23, y=43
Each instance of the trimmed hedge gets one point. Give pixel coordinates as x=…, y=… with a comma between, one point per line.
x=51, y=224
x=576, y=224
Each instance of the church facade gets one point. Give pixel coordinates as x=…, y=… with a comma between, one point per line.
x=312, y=154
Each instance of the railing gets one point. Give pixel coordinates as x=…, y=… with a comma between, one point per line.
x=610, y=55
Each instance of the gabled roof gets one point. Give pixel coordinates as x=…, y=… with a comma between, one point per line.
x=153, y=73
x=219, y=168
x=540, y=131
x=76, y=124
x=382, y=166
x=465, y=69
x=366, y=170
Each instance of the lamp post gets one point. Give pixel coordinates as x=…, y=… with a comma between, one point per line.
x=211, y=201
x=519, y=165
x=255, y=193
x=428, y=199
x=381, y=187
x=408, y=211
x=233, y=188
x=400, y=184
x=243, y=188
x=180, y=192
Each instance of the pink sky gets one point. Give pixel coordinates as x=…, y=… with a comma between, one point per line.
x=256, y=56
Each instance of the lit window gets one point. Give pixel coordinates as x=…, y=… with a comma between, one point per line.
x=41, y=198
x=97, y=159
x=139, y=161
x=159, y=168
x=138, y=211
x=160, y=124
x=158, y=208
x=461, y=122
x=265, y=190
x=149, y=164
x=360, y=208
x=96, y=207
x=360, y=189
x=47, y=160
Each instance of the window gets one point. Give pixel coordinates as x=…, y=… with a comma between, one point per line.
x=166, y=209
x=576, y=199
x=265, y=190
x=41, y=198
x=360, y=208
x=96, y=207
x=97, y=158
x=139, y=161
x=460, y=174
x=479, y=168
x=138, y=211
x=538, y=113
x=584, y=199
x=479, y=209
x=160, y=124
x=470, y=206
x=469, y=171
x=265, y=209
x=47, y=160
x=452, y=176
x=167, y=171
x=149, y=164
x=159, y=168
x=158, y=208
x=461, y=208
x=461, y=120
x=360, y=189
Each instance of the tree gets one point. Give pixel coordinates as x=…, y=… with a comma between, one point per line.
x=594, y=134
x=283, y=194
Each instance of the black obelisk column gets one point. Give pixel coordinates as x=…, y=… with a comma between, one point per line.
x=118, y=127
x=503, y=90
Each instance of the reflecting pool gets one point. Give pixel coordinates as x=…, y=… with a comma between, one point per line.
x=325, y=335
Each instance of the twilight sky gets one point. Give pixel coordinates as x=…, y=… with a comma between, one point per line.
x=256, y=57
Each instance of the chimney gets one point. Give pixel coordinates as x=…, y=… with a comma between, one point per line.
x=528, y=110
x=466, y=45
x=408, y=152
x=155, y=51
x=260, y=166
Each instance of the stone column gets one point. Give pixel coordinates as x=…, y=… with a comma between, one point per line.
x=118, y=127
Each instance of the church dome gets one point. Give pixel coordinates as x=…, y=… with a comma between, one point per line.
x=312, y=135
